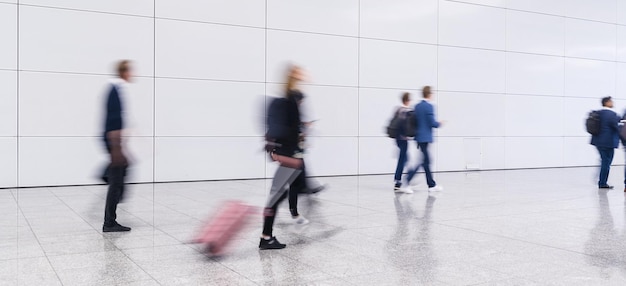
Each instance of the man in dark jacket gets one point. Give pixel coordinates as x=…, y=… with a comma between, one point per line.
x=607, y=140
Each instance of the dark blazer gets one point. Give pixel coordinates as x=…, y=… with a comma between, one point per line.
x=283, y=124
x=609, y=132
x=113, y=117
x=425, y=117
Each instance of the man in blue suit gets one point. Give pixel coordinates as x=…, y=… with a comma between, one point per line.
x=607, y=140
x=425, y=117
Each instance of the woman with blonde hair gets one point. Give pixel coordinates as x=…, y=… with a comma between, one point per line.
x=284, y=145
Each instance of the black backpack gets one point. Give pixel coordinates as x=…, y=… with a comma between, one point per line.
x=593, y=122
x=399, y=121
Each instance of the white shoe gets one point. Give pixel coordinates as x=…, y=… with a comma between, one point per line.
x=300, y=220
x=436, y=188
x=406, y=190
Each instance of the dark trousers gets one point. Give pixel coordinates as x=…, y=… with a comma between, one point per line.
x=402, y=157
x=296, y=179
x=606, y=156
x=425, y=164
x=116, y=177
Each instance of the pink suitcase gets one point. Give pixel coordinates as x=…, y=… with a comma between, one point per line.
x=229, y=219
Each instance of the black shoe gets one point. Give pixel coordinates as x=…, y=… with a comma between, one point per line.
x=397, y=186
x=271, y=243
x=115, y=228
x=606, y=187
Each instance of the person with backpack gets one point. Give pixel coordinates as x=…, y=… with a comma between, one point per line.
x=399, y=121
x=425, y=122
x=606, y=139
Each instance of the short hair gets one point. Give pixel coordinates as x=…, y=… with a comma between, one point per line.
x=123, y=66
x=605, y=100
x=426, y=91
x=406, y=97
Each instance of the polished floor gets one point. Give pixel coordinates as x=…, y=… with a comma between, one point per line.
x=525, y=227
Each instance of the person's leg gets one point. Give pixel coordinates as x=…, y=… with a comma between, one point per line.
x=605, y=165
x=411, y=172
x=278, y=193
x=426, y=165
x=114, y=194
x=402, y=156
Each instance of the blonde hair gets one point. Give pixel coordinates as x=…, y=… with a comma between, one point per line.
x=292, y=80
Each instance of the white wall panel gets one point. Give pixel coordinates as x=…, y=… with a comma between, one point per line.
x=208, y=158
x=380, y=155
x=534, y=115
x=533, y=74
x=50, y=161
x=468, y=25
x=621, y=12
x=495, y=3
x=73, y=105
x=621, y=43
x=8, y=164
x=316, y=54
x=397, y=65
x=575, y=112
x=8, y=34
x=315, y=16
x=533, y=152
x=592, y=40
x=451, y=156
x=621, y=83
x=376, y=107
x=208, y=51
x=85, y=42
x=334, y=108
x=578, y=152
x=207, y=108
x=235, y=12
x=554, y=7
x=589, y=78
x=535, y=33
x=8, y=106
x=597, y=10
x=494, y=153
x=471, y=114
x=403, y=20
x=471, y=70
x=136, y=7
x=331, y=156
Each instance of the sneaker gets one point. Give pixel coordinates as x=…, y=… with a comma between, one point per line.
x=406, y=190
x=271, y=243
x=397, y=186
x=115, y=228
x=606, y=187
x=436, y=188
x=300, y=220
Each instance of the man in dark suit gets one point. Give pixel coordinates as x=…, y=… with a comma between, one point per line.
x=425, y=117
x=113, y=126
x=607, y=140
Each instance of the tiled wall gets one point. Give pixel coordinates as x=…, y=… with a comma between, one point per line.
x=514, y=82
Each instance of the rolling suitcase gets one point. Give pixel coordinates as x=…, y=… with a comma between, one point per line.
x=230, y=218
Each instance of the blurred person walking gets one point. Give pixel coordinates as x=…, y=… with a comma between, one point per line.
x=402, y=139
x=284, y=145
x=425, y=122
x=113, y=132
x=606, y=139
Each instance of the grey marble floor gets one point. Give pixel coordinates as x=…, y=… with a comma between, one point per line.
x=525, y=227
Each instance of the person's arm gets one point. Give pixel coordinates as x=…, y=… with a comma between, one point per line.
x=431, y=117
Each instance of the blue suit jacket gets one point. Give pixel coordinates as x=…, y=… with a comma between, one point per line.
x=425, y=117
x=609, y=132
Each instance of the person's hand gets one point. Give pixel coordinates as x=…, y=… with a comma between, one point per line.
x=442, y=123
